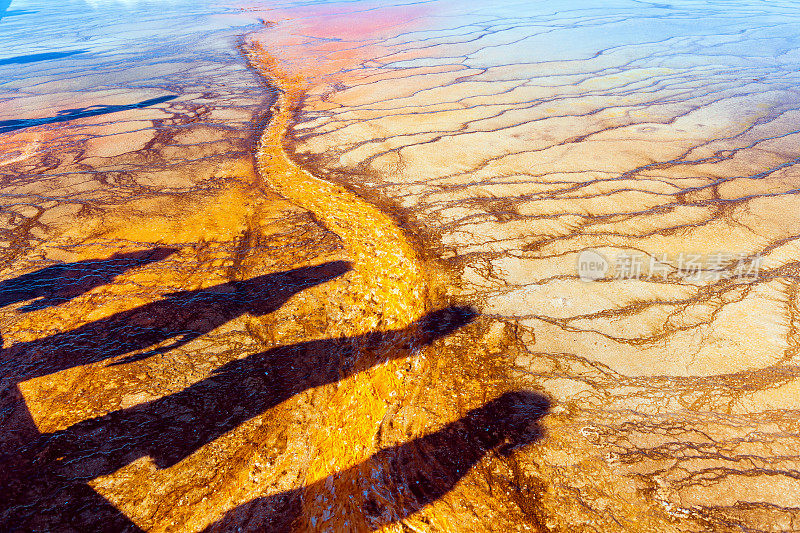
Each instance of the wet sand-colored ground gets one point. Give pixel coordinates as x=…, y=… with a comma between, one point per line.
x=325, y=269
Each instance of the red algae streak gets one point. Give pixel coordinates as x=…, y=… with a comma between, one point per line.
x=322, y=43
x=358, y=21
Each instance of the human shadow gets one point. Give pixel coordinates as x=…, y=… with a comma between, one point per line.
x=35, y=58
x=66, y=115
x=180, y=317
x=419, y=472
x=56, y=284
x=47, y=475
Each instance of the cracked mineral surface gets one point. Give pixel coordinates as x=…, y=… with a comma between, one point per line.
x=386, y=266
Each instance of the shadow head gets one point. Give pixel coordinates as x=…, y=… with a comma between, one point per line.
x=510, y=421
x=445, y=321
x=263, y=294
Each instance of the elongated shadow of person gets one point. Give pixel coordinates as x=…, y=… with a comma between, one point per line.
x=35, y=58
x=422, y=470
x=65, y=115
x=4, y=7
x=56, y=284
x=180, y=317
x=44, y=481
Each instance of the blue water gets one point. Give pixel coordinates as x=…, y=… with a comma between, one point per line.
x=56, y=55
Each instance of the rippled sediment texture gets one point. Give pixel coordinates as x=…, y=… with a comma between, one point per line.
x=514, y=137
x=195, y=339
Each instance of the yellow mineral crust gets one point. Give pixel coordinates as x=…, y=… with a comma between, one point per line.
x=386, y=289
x=387, y=277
